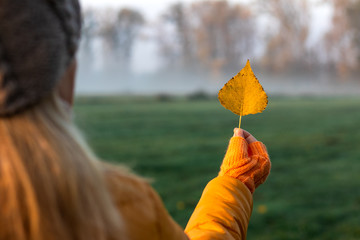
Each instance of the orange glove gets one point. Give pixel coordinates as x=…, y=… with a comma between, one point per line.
x=246, y=159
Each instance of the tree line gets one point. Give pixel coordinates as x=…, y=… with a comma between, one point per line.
x=218, y=36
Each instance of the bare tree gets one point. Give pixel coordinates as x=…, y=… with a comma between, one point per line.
x=89, y=29
x=225, y=34
x=118, y=31
x=175, y=38
x=108, y=33
x=129, y=23
x=286, y=43
x=339, y=40
x=212, y=36
x=353, y=13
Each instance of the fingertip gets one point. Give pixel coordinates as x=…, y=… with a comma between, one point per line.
x=238, y=132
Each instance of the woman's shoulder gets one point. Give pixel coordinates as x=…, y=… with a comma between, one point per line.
x=140, y=206
x=125, y=186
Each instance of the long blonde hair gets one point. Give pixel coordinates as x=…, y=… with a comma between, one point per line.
x=51, y=185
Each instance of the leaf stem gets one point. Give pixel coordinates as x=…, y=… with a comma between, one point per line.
x=240, y=121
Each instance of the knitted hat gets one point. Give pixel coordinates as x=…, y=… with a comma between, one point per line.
x=38, y=40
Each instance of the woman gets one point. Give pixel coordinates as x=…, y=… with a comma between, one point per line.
x=51, y=184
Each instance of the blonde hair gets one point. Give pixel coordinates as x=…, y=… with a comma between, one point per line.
x=51, y=185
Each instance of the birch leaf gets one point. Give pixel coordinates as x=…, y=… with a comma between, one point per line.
x=243, y=94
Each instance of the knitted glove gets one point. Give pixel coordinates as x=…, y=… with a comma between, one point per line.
x=248, y=163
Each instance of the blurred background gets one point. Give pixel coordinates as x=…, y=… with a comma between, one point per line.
x=149, y=73
x=143, y=47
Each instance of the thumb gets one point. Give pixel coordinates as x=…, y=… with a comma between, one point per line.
x=238, y=133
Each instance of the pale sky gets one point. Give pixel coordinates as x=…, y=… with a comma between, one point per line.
x=151, y=8
x=145, y=56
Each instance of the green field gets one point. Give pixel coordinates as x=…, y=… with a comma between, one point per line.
x=313, y=191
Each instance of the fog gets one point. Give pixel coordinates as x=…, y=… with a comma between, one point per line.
x=116, y=83
x=295, y=48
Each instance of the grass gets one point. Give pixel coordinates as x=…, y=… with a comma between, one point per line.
x=314, y=143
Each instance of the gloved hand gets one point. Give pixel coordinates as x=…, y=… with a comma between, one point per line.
x=246, y=159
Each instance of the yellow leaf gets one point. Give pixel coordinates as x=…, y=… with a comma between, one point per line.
x=243, y=94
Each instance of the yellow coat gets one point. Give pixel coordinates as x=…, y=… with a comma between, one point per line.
x=223, y=211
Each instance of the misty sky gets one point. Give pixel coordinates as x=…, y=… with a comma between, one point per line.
x=145, y=53
x=151, y=8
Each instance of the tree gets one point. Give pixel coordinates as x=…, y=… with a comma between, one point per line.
x=128, y=25
x=341, y=39
x=89, y=29
x=286, y=43
x=118, y=31
x=211, y=36
x=353, y=13
x=175, y=38
x=109, y=36
x=225, y=34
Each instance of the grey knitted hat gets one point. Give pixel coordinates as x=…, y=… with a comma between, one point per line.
x=38, y=40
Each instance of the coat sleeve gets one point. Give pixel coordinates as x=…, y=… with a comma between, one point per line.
x=223, y=211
